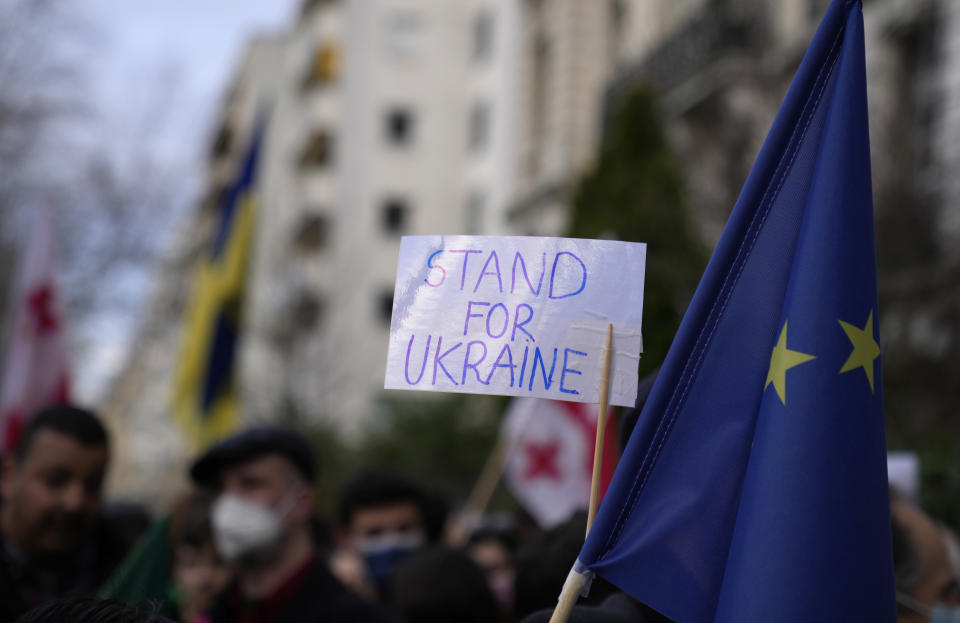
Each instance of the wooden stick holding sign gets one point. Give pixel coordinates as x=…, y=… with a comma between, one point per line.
x=601, y=431
x=576, y=581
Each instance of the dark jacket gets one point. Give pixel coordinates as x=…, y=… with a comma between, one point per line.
x=90, y=567
x=319, y=598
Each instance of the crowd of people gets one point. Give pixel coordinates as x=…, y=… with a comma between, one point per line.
x=246, y=546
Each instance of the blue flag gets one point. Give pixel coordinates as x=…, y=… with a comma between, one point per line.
x=754, y=486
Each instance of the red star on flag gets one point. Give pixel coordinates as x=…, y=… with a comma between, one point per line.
x=35, y=370
x=542, y=460
x=550, y=456
x=40, y=301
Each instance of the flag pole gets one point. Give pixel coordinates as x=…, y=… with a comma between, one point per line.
x=601, y=430
x=576, y=581
x=489, y=478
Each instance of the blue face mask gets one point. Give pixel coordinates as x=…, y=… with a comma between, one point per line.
x=382, y=554
x=938, y=613
x=945, y=614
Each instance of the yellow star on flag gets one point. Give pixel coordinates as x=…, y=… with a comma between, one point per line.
x=865, y=348
x=782, y=360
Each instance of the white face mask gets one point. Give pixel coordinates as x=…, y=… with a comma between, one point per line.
x=241, y=527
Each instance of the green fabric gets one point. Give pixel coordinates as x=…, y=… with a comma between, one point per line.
x=145, y=574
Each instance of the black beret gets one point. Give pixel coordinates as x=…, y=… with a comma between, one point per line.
x=252, y=444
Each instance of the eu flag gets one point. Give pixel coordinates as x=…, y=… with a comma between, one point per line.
x=754, y=486
x=205, y=398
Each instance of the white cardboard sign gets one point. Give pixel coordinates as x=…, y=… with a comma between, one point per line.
x=520, y=316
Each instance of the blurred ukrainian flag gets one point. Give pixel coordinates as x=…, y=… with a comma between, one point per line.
x=205, y=399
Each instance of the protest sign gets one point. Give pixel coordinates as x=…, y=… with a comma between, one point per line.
x=520, y=316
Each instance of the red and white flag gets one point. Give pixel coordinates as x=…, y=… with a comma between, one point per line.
x=549, y=455
x=35, y=373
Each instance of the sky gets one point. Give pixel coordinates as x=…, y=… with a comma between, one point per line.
x=192, y=45
x=134, y=53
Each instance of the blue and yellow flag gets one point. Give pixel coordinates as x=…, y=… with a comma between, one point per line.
x=205, y=399
x=754, y=487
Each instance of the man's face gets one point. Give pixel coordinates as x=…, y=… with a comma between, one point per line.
x=384, y=535
x=272, y=481
x=397, y=518
x=52, y=496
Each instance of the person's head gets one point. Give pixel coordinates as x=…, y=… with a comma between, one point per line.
x=440, y=585
x=199, y=573
x=923, y=573
x=52, y=483
x=262, y=480
x=383, y=517
x=493, y=551
x=89, y=610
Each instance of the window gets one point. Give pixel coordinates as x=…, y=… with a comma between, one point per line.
x=538, y=99
x=479, y=126
x=404, y=35
x=317, y=151
x=324, y=67
x=399, y=126
x=306, y=310
x=816, y=9
x=309, y=5
x=394, y=215
x=482, y=37
x=385, y=306
x=474, y=213
x=616, y=24
x=312, y=233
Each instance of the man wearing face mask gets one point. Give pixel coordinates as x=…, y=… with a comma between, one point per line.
x=383, y=518
x=263, y=479
x=925, y=567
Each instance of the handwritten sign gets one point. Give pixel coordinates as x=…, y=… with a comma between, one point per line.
x=519, y=316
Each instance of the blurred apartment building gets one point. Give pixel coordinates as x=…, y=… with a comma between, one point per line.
x=391, y=117
x=397, y=117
